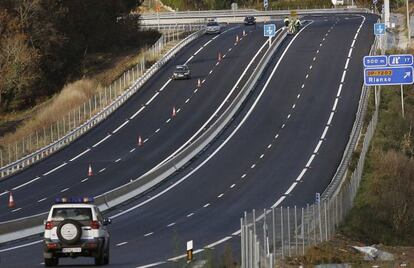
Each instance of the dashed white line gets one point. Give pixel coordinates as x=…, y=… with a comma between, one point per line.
x=283, y=126
x=64, y=190
x=168, y=120
x=171, y=224
x=310, y=160
x=148, y=234
x=307, y=75
x=243, y=176
x=41, y=200
x=206, y=205
x=293, y=106
x=121, y=244
x=211, y=71
x=102, y=170
x=291, y=188
x=151, y=265
x=330, y=118
x=195, y=90
x=324, y=132
x=187, y=100
x=189, y=215
x=280, y=200
x=288, y=116
x=145, y=140
x=26, y=183
x=178, y=110
x=232, y=186
x=335, y=104
x=207, y=43
x=133, y=149
x=189, y=59
x=350, y=52
x=158, y=130
x=198, y=51
x=301, y=174
x=343, y=76
x=298, y=96
x=220, y=196
x=119, y=159
x=79, y=155
x=137, y=112
x=152, y=98
x=253, y=166
x=317, y=51
x=339, y=90
x=17, y=209
x=99, y=142
x=165, y=85
x=314, y=58
x=353, y=43
x=262, y=155
x=121, y=126
x=317, y=147
x=346, y=64
x=84, y=180
x=53, y=170
x=269, y=146
x=303, y=85
x=310, y=67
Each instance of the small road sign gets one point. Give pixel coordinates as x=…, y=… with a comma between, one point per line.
x=317, y=198
x=265, y=4
x=401, y=75
x=374, y=2
x=400, y=60
x=375, y=61
x=379, y=28
x=269, y=30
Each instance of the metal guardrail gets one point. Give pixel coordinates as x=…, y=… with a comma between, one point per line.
x=11, y=230
x=241, y=13
x=100, y=116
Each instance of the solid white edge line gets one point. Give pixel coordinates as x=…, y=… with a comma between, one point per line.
x=212, y=245
x=79, y=155
x=152, y=98
x=99, y=142
x=53, y=170
x=135, y=114
x=166, y=83
x=189, y=59
x=198, y=51
x=121, y=126
x=280, y=200
x=350, y=52
x=225, y=141
x=151, y=264
x=21, y=246
x=121, y=244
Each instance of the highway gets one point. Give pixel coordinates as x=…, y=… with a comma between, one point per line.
x=113, y=146
x=283, y=147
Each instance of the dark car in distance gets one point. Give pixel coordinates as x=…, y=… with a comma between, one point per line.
x=181, y=72
x=249, y=20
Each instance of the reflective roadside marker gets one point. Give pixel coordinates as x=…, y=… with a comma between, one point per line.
x=190, y=251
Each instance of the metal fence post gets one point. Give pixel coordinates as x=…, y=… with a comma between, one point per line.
x=273, y=231
x=242, y=242
x=296, y=233
x=288, y=233
x=303, y=232
x=281, y=232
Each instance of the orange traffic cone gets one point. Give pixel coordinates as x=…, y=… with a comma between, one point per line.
x=11, y=200
x=174, y=112
x=90, y=172
x=139, y=141
x=219, y=56
x=199, y=82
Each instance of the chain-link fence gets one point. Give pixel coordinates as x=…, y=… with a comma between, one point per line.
x=12, y=154
x=271, y=235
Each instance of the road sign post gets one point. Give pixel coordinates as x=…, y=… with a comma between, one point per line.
x=402, y=101
x=269, y=31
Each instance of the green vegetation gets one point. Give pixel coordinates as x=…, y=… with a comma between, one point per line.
x=43, y=44
x=384, y=207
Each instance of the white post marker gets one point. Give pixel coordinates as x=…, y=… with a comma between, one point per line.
x=190, y=251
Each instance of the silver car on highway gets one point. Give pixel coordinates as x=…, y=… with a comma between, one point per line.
x=213, y=27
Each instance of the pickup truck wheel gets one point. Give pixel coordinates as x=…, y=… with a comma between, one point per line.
x=51, y=262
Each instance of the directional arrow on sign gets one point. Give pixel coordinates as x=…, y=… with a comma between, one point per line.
x=407, y=74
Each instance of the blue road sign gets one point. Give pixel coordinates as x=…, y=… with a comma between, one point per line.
x=269, y=30
x=375, y=61
x=400, y=60
x=379, y=28
x=401, y=75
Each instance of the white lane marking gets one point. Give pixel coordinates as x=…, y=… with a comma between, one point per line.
x=189, y=59
x=293, y=106
x=22, y=246
x=148, y=234
x=353, y=43
x=323, y=39
x=158, y=130
x=171, y=224
x=280, y=200
x=317, y=51
x=346, y=64
x=15, y=210
x=206, y=205
x=350, y=52
x=232, y=186
x=145, y=140
x=310, y=160
x=343, y=76
x=56, y=168
x=301, y=174
x=252, y=107
x=151, y=264
x=3, y=193
x=303, y=85
x=230, y=49
x=119, y=159
x=168, y=120
x=99, y=142
x=310, y=67
x=223, y=56
x=356, y=36
x=291, y=188
x=236, y=233
x=26, y=183
x=262, y=155
x=64, y=190
x=253, y=166
x=298, y=96
x=218, y=242
x=198, y=51
x=269, y=146
x=283, y=125
x=314, y=58
x=121, y=244
x=330, y=118
x=195, y=90
x=84, y=180
x=41, y=200
x=288, y=117
x=165, y=85
x=121, y=126
x=307, y=75
x=216, y=111
x=79, y=155
x=339, y=90
x=324, y=132
x=219, y=62
x=152, y=98
x=102, y=170
x=207, y=43
x=335, y=104
x=244, y=175
x=133, y=149
x=187, y=100
x=189, y=215
x=177, y=258
x=210, y=72
x=317, y=147
x=320, y=44
x=220, y=196
x=137, y=112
